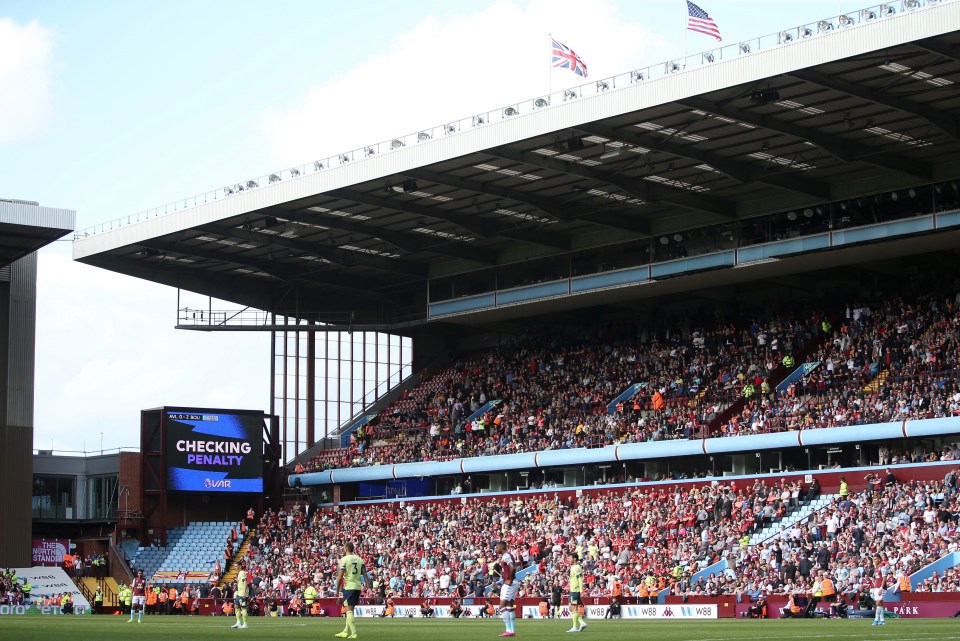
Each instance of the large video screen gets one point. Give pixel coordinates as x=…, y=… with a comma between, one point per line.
x=214, y=450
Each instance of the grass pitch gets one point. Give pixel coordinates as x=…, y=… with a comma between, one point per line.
x=169, y=628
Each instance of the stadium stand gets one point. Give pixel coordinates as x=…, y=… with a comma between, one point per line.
x=888, y=358
x=190, y=554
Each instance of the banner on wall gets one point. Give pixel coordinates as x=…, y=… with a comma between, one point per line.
x=50, y=551
x=661, y=612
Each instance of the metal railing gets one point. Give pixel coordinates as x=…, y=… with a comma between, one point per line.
x=656, y=71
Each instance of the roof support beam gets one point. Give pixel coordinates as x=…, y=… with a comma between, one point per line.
x=401, y=240
x=934, y=46
x=945, y=123
x=334, y=255
x=845, y=150
x=638, y=188
x=736, y=169
x=364, y=287
x=560, y=212
x=474, y=224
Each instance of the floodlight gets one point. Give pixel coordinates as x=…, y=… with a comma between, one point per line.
x=479, y=120
x=670, y=67
x=317, y=165
x=238, y=187
x=369, y=151
x=678, y=237
x=344, y=158
x=409, y=185
x=894, y=196
x=569, y=94
x=808, y=213
x=274, y=178
x=540, y=103
x=785, y=36
x=791, y=216
x=845, y=20
x=251, y=184
x=806, y=32
x=423, y=136
x=886, y=10
x=450, y=129
x=825, y=25
x=294, y=172
x=868, y=15
x=396, y=144
x=664, y=240
x=708, y=56
x=744, y=47
x=228, y=191
x=636, y=76
x=911, y=4
x=510, y=111
x=602, y=85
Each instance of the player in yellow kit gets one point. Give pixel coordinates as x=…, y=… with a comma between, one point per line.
x=240, y=599
x=350, y=577
x=576, y=587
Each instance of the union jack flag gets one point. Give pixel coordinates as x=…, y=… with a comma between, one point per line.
x=565, y=58
x=699, y=21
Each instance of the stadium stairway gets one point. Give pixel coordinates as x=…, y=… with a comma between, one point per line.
x=770, y=531
x=233, y=565
x=150, y=558
x=774, y=379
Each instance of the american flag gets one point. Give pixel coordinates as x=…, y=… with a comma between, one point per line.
x=565, y=58
x=699, y=21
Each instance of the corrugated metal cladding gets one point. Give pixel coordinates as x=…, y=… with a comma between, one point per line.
x=51, y=217
x=16, y=479
x=21, y=337
x=18, y=336
x=5, y=274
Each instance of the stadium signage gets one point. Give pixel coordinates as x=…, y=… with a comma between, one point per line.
x=662, y=612
x=45, y=610
x=214, y=451
x=49, y=551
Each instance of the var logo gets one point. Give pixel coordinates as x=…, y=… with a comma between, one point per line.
x=216, y=483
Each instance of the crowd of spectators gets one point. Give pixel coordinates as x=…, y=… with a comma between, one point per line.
x=889, y=360
x=633, y=542
x=641, y=539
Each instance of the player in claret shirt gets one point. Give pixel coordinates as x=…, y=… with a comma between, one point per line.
x=508, y=591
x=139, y=587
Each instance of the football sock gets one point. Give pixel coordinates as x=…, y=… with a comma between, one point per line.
x=350, y=627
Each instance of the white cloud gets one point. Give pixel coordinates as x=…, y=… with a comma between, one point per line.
x=107, y=348
x=25, y=61
x=445, y=70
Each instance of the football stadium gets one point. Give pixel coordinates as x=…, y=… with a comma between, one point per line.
x=677, y=344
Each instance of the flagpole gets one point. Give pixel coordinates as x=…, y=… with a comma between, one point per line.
x=685, y=15
x=550, y=69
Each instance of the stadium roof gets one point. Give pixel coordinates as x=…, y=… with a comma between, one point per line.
x=25, y=227
x=811, y=116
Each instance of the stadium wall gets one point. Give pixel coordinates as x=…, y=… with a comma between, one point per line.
x=18, y=300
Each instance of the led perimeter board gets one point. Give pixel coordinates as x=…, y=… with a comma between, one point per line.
x=214, y=450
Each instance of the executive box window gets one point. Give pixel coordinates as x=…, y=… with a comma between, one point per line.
x=53, y=496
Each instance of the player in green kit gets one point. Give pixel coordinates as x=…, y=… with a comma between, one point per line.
x=240, y=599
x=576, y=587
x=350, y=577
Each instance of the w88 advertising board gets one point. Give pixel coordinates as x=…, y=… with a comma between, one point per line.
x=214, y=450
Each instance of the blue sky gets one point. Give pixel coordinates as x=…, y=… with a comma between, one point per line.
x=111, y=108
